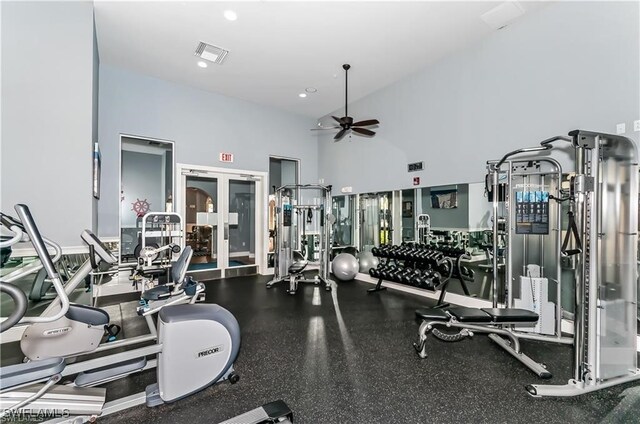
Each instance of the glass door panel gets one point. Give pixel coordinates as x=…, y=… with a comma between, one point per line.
x=201, y=221
x=240, y=222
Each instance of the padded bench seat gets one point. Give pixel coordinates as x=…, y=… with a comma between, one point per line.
x=431, y=314
x=464, y=314
x=511, y=315
x=475, y=315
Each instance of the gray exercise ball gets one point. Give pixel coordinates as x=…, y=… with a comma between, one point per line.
x=345, y=267
x=367, y=261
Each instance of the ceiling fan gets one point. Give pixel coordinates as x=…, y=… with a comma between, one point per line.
x=346, y=123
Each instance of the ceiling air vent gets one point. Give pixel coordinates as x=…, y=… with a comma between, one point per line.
x=503, y=14
x=211, y=53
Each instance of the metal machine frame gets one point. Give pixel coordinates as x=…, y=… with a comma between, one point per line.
x=423, y=228
x=289, y=225
x=508, y=177
x=604, y=201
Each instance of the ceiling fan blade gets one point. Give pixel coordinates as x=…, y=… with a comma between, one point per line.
x=364, y=131
x=366, y=123
x=339, y=120
x=340, y=134
x=325, y=128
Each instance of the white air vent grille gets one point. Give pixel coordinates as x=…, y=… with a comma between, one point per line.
x=211, y=53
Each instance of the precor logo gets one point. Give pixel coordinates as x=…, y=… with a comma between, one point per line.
x=209, y=351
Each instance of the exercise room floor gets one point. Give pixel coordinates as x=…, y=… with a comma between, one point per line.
x=346, y=357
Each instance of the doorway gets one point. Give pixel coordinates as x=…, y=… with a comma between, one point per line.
x=282, y=171
x=223, y=208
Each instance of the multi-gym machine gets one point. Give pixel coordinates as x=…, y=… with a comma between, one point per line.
x=303, y=232
x=601, y=237
x=603, y=222
x=525, y=193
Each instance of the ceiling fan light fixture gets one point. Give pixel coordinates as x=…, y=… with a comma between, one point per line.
x=311, y=90
x=345, y=125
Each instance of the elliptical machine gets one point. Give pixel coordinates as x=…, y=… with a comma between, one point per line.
x=197, y=347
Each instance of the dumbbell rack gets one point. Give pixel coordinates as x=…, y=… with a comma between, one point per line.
x=423, y=266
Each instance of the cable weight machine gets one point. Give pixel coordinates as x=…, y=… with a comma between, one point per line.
x=303, y=233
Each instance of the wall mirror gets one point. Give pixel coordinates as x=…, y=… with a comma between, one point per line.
x=146, y=185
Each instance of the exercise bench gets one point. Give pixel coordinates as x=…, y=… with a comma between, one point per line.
x=494, y=321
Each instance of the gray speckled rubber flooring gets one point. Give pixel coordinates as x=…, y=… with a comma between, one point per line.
x=346, y=357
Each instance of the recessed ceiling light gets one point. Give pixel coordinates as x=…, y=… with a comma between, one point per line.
x=230, y=15
x=302, y=95
x=202, y=64
x=311, y=90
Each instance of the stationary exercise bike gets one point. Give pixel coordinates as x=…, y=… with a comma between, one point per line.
x=197, y=346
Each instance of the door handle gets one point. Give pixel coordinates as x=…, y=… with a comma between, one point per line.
x=226, y=231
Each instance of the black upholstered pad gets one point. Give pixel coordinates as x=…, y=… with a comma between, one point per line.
x=511, y=315
x=431, y=314
x=464, y=314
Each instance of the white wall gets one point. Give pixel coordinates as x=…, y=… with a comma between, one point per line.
x=47, y=89
x=571, y=65
x=201, y=123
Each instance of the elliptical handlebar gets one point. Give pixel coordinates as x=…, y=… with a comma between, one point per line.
x=39, y=245
x=17, y=235
x=20, y=301
x=17, y=228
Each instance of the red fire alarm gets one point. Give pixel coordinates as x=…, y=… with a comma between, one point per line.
x=416, y=180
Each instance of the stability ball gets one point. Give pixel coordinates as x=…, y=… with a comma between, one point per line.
x=367, y=261
x=345, y=267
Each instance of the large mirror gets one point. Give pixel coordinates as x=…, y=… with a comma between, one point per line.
x=344, y=211
x=375, y=219
x=146, y=185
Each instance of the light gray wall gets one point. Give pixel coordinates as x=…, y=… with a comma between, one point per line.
x=94, y=117
x=47, y=90
x=201, y=123
x=570, y=65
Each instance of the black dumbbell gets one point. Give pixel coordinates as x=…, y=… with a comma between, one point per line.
x=399, y=277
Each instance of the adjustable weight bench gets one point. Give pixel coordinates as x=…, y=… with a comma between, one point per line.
x=484, y=320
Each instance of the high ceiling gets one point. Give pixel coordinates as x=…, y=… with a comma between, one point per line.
x=277, y=49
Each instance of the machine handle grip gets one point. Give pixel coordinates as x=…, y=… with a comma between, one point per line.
x=36, y=239
x=9, y=221
x=19, y=300
x=39, y=245
x=571, y=252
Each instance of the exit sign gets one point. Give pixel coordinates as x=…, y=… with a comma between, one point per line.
x=416, y=166
x=226, y=157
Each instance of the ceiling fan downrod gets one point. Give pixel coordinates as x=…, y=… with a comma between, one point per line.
x=346, y=68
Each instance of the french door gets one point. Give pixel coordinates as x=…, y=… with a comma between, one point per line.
x=223, y=212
